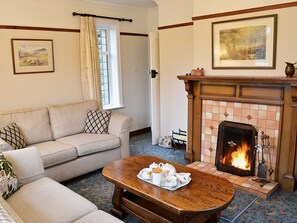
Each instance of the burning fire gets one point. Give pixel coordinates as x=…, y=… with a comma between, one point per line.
x=240, y=158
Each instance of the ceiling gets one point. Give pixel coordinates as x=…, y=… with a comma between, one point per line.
x=133, y=3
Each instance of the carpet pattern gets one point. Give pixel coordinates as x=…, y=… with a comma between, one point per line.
x=280, y=207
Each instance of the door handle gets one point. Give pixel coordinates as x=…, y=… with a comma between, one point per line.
x=153, y=73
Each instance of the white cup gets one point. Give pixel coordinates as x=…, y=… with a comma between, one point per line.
x=183, y=177
x=146, y=173
x=157, y=176
x=171, y=181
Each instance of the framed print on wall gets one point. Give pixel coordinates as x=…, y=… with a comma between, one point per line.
x=248, y=43
x=32, y=56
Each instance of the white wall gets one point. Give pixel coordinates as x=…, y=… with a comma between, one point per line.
x=64, y=85
x=185, y=48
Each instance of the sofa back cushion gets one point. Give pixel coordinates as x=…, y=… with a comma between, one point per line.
x=70, y=119
x=33, y=124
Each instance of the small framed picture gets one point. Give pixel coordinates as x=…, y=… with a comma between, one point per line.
x=248, y=43
x=32, y=56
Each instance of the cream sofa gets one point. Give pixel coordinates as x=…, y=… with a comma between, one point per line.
x=57, y=131
x=43, y=200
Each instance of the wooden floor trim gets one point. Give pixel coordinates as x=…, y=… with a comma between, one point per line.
x=140, y=131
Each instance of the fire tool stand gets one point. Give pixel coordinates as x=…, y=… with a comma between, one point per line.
x=262, y=167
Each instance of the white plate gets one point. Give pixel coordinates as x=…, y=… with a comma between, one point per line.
x=179, y=185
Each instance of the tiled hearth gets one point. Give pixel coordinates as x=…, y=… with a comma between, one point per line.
x=246, y=184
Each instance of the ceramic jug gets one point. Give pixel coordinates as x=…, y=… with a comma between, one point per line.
x=290, y=69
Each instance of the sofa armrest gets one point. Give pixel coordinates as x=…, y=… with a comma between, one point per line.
x=120, y=126
x=27, y=164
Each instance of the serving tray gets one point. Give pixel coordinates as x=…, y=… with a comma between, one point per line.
x=179, y=184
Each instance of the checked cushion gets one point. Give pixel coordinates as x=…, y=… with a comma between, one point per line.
x=13, y=136
x=97, y=122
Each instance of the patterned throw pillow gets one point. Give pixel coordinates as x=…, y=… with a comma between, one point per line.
x=97, y=122
x=9, y=182
x=13, y=136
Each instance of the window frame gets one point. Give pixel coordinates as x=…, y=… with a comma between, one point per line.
x=114, y=63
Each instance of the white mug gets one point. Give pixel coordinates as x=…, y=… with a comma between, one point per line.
x=146, y=173
x=157, y=176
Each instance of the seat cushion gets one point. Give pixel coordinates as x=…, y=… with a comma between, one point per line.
x=86, y=143
x=94, y=216
x=46, y=201
x=53, y=153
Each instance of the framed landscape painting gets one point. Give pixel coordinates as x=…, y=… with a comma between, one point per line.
x=248, y=43
x=32, y=56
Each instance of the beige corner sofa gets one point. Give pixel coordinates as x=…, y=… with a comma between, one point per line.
x=43, y=200
x=57, y=132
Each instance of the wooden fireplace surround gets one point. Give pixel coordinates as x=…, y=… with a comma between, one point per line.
x=280, y=91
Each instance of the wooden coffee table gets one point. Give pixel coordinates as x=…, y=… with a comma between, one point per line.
x=201, y=200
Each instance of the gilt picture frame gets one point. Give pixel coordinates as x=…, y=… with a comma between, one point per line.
x=247, y=43
x=32, y=56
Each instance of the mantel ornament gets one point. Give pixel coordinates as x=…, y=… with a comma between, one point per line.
x=290, y=69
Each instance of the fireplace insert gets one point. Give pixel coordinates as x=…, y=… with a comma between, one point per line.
x=236, y=148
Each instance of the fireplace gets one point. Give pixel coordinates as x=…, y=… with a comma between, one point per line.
x=235, y=151
x=270, y=103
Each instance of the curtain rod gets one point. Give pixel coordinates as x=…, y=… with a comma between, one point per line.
x=104, y=17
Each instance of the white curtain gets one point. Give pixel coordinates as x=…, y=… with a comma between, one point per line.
x=89, y=56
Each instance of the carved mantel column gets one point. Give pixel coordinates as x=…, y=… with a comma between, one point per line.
x=189, y=151
x=289, y=180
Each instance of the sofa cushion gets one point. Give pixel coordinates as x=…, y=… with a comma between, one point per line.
x=33, y=123
x=9, y=182
x=47, y=201
x=21, y=158
x=4, y=146
x=7, y=215
x=70, y=119
x=53, y=153
x=13, y=136
x=94, y=216
x=91, y=143
x=97, y=122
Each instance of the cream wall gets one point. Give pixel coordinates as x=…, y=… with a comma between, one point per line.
x=285, y=51
x=184, y=48
x=64, y=85
x=176, y=58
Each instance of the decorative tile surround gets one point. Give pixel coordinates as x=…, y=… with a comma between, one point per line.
x=264, y=117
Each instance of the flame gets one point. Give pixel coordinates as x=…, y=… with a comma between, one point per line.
x=240, y=158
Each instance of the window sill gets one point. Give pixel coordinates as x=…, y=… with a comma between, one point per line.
x=113, y=107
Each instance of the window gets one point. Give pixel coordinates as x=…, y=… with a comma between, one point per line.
x=108, y=44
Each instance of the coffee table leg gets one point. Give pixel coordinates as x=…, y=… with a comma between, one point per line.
x=116, y=201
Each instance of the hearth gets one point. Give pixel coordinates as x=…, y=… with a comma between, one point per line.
x=235, y=151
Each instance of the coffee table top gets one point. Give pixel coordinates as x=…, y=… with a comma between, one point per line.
x=205, y=193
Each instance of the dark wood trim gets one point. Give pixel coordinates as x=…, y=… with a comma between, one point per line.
x=176, y=25
x=140, y=131
x=39, y=28
x=244, y=11
x=133, y=34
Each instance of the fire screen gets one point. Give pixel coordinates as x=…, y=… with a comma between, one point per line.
x=236, y=148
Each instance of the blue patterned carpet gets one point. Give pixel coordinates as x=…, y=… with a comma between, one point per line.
x=280, y=207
